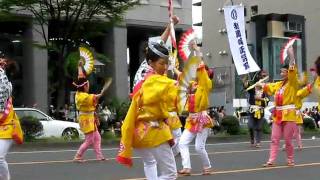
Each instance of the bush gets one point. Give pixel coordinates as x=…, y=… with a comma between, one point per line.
x=266, y=128
x=31, y=127
x=309, y=124
x=120, y=107
x=231, y=125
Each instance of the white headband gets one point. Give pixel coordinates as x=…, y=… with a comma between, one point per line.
x=151, y=46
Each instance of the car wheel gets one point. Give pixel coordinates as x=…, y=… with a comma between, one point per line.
x=70, y=134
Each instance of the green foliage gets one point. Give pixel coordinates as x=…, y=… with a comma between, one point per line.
x=266, y=128
x=31, y=127
x=309, y=124
x=72, y=61
x=120, y=107
x=231, y=125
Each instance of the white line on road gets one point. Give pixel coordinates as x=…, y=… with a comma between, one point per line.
x=116, y=149
x=136, y=157
x=246, y=170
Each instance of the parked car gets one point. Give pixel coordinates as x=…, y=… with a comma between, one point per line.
x=52, y=127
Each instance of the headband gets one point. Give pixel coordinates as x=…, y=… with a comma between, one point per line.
x=155, y=50
x=81, y=85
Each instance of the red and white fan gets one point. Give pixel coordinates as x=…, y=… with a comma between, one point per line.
x=189, y=74
x=283, y=52
x=185, y=44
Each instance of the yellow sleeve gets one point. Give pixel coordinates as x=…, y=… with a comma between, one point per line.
x=127, y=131
x=304, y=92
x=292, y=76
x=203, y=79
x=270, y=88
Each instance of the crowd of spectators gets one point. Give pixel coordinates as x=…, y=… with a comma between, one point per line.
x=313, y=113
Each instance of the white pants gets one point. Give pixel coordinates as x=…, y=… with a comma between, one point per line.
x=176, y=136
x=162, y=157
x=5, y=145
x=200, y=143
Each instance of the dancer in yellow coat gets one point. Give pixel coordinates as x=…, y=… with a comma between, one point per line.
x=284, y=117
x=301, y=94
x=145, y=128
x=198, y=123
x=173, y=120
x=86, y=105
x=10, y=129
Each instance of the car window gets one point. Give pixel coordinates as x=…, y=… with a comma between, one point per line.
x=34, y=114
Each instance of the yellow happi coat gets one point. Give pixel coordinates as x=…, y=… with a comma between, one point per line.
x=173, y=120
x=144, y=125
x=301, y=94
x=285, y=95
x=201, y=100
x=86, y=105
x=8, y=123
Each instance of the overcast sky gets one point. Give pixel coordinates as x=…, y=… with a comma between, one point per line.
x=197, y=17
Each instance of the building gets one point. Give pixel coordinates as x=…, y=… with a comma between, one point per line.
x=268, y=26
x=31, y=79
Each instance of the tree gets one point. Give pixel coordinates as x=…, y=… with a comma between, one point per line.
x=68, y=22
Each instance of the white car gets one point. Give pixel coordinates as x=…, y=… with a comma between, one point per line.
x=52, y=127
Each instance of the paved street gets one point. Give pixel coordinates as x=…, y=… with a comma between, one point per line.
x=231, y=161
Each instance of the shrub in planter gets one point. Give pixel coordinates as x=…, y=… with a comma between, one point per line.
x=31, y=127
x=266, y=127
x=309, y=123
x=231, y=125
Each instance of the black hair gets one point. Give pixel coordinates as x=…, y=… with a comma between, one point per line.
x=317, y=64
x=285, y=65
x=209, y=71
x=80, y=81
x=152, y=56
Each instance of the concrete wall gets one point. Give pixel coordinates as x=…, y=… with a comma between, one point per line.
x=213, y=20
x=152, y=14
x=35, y=70
x=155, y=13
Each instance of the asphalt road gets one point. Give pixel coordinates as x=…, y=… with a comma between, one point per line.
x=235, y=160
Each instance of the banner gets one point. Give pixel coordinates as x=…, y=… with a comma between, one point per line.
x=235, y=23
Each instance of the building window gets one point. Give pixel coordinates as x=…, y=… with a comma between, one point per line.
x=254, y=10
x=271, y=48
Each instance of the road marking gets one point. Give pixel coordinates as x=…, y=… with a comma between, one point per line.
x=116, y=149
x=245, y=170
x=136, y=157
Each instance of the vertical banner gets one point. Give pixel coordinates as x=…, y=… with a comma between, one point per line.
x=235, y=23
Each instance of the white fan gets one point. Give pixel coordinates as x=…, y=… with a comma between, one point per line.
x=185, y=44
x=189, y=74
x=87, y=58
x=283, y=52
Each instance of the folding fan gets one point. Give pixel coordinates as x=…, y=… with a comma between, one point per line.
x=87, y=58
x=283, y=52
x=189, y=74
x=185, y=44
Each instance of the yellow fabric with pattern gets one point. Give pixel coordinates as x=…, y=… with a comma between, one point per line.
x=148, y=106
x=86, y=105
x=173, y=120
x=201, y=96
x=289, y=94
x=6, y=127
x=301, y=94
